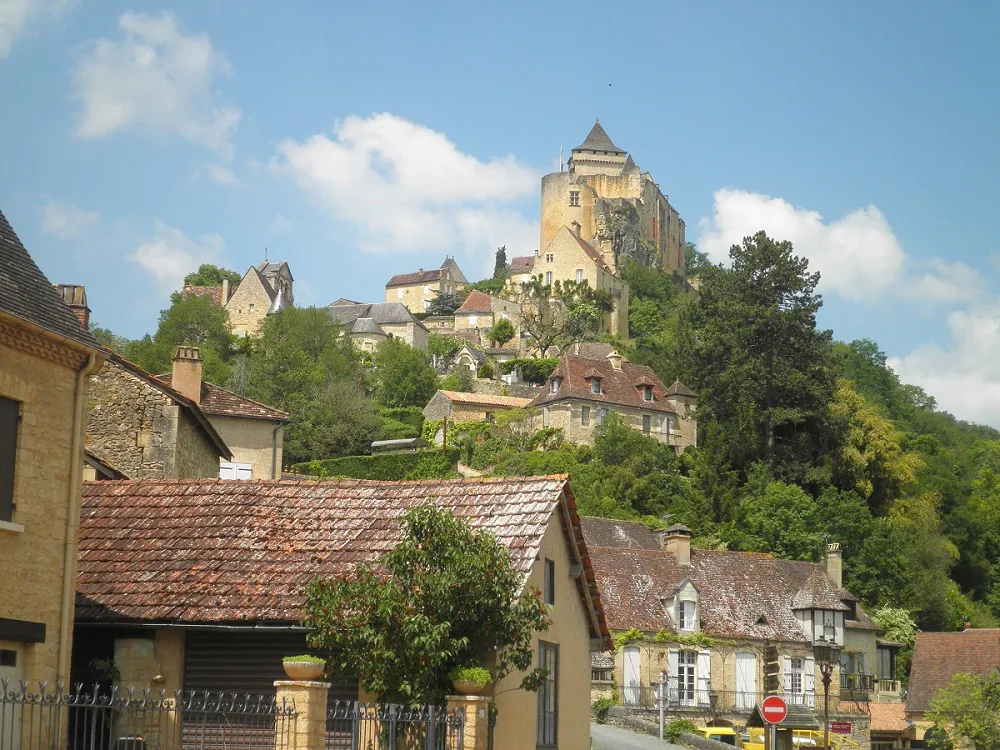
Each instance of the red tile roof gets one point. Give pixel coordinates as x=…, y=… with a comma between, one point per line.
x=418, y=277
x=223, y=403
x=937, y=657
x=485, y=399
x=737, y=589
x=212, y=292
x=888, y=717
x=476, y=302
x=618, y=387
x=210, y=550
x=522, y=264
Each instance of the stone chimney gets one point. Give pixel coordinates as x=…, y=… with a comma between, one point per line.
x=677, y=541
x=616, y=360
x=75, y=297
x=186, y=373
x=575, y=228
x=835, y=564
x=225, y=292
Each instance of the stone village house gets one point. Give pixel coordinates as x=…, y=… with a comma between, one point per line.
x=144, y=428
x=46, y=358
x=199, y=584
x=581, y=391
x=371, y=323
x=707, y=618
x=469, y=407
x=417, y=290
x=264, y=289
x=254, y=432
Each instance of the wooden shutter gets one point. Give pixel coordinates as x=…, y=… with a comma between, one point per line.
x=673, y=689
x=787, y=683
x=809, y=682
x=704, y=676
x=9, y=417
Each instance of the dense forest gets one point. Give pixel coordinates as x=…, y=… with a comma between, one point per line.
x=802, y=439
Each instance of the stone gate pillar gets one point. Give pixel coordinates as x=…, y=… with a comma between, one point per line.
x=308, y=729
x=477, y=718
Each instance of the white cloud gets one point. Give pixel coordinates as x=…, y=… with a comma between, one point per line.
x=281, y=224
x=406, y=187
x=168, y=255
x=220, y=175
x=963, y=376
x=66, y=221
x=155, y=78
x=946, y=283
x=17, y=17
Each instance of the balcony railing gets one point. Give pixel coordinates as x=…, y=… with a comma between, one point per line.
x=856, y=683
x=887, y=687
x=701, y=701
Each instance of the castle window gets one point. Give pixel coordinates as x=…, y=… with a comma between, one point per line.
x=548, y=278
x=251, y=307
x=574, y=197
x=579, y=275
x=549, y=257
x=654, y=227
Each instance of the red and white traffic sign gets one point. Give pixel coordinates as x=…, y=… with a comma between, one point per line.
x=773, y=709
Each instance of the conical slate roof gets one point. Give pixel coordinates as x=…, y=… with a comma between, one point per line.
x=598, y=140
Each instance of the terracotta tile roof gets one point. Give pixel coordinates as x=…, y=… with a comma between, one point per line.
x=219, y=401
x=485, y=399
x=888, y=717
x=743, y=594
x=185, y=403
x=210, y=550
x=937, y=657
x=212, y=292
x=618, y=387
x=522, y=264
x=677, y=388
x=418, y=277
x=26, y=294
x=476, y=302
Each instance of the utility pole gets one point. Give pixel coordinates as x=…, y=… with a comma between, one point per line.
x=661, y=698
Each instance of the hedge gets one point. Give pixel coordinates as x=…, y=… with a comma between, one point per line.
x=412, y=416
x=433, y=464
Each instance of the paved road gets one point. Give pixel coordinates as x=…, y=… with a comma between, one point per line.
x=612, y=738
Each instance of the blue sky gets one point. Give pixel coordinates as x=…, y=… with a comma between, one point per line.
x=360, y=140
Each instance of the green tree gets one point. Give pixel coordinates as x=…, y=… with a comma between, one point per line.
x=209, y=275
x=444, y=303
x=501, y=269
x=970, y=707
x=695, y=261
x=108, y=338
x=897, y=625
x=562, y=314
x=403, y=376
x=501, y=332
x=445, y=597
x=759, y=364
x=783, y=520
x=444, y=347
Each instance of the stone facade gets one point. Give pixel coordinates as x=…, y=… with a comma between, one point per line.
x=567, y=415
x=249, y=305
x=38, y=546
x=144, y=430
x=258, y=442
x=417, y=290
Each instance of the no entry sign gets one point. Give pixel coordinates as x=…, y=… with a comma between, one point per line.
x=773, y=709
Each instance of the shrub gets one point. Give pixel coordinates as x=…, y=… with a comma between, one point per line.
x=486, y=371
x=601, y=707
x=305, y=659
x=460, y=380
x=479, y=676
x=434, y=464
x=673, y=730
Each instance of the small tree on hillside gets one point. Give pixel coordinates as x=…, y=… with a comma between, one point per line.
x=444, y=303
x=561, y=314
x=445, y=597
x=501, y=269
x=209, y=275
x=403, y=375
x=501, y=332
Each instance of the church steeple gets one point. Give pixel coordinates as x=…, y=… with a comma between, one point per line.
x=598, y=140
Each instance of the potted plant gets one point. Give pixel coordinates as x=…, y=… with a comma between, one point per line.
x=303, y=667
x=471, y=680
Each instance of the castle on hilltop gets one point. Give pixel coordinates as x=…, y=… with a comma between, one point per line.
x=620, y=210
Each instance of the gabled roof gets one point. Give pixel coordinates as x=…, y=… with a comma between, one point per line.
x=937, y=657
x=223, y=403
x=476, y=302
x=736, y=588
x=214, y=293
x=417, y=277
x=889, y=718
x=589, y=250
x=381, y=313
x=677, y=388
x=183, y=401
x=102, y=466
x=485, y=399
x=618, y=387
x=598, y=140
x=366, y=325
x=25, y=293
x=266, y=267
x=212, y=551
x=522, y=264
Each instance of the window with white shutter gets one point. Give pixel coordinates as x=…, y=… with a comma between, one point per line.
x=704, y=677
x=810, y=682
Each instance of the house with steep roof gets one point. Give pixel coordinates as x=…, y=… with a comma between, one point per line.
x=253, y=431
x=46, y=358
x=208, y=577
x=521, y=270
x=418, y=289
x=582, y=391
x=937, y=658
x=370, y=323
x=264, y=289
x=470, y=407
x=145, y=428
x=709, y=621
x=480, y=311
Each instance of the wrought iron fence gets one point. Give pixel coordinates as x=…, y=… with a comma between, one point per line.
x=96, y=719
x=364, y=726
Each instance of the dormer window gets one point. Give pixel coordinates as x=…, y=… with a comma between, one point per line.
x=647, y=393
x=555, y=385
x=595, y=386
x=685, y=616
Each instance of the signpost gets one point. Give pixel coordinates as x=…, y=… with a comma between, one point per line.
x=773, y=709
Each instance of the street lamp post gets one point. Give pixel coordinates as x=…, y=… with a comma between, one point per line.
x=828, y=657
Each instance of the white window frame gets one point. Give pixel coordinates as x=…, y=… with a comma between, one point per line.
x=686, y=616
x=554, y=386
x=545, y=416
x=473, y=321
x=235, y=471
x=797, y=677
x=548, y=278
x=574, y=198
x=579, y=275
x=687, y=677
x=550, y=258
